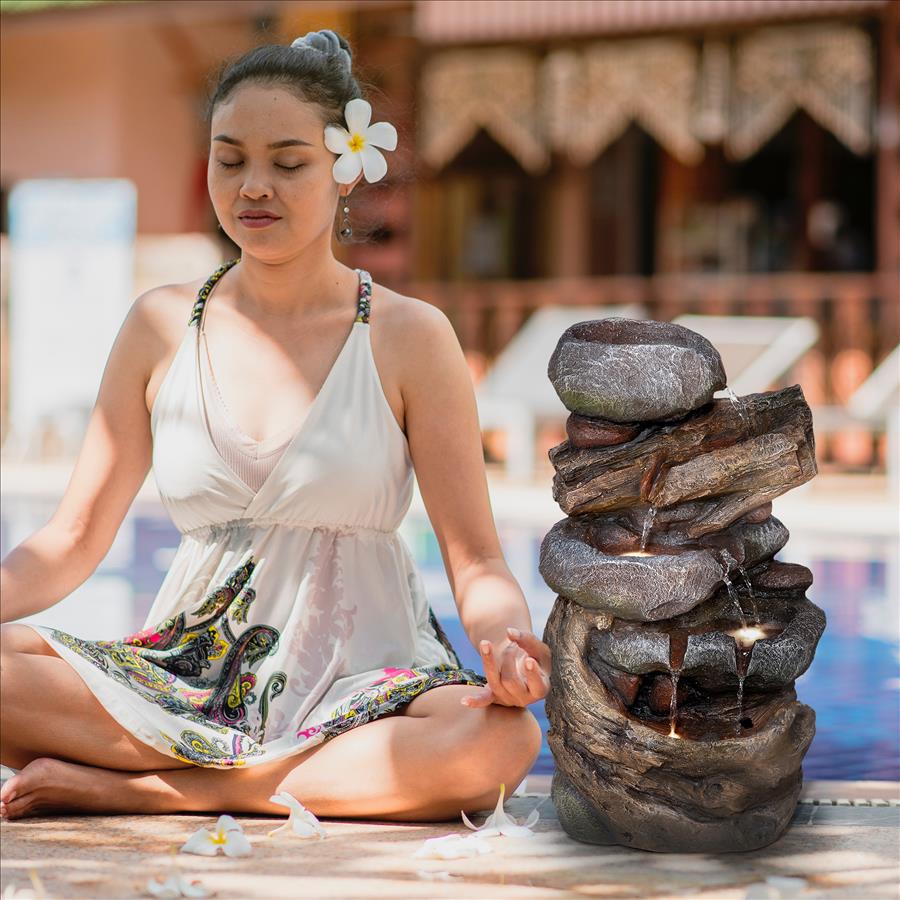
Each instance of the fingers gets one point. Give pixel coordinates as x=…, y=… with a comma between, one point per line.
x=516, y=679
x=484, y=698
x=538, y=683
x=532, y=644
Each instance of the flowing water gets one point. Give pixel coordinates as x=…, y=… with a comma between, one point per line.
x=673, y=705
x=732, y=593
x=737, y=404
x=740, y=699
x=648, y=524
x=753, y=606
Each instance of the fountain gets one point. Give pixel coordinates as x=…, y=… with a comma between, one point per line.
x=676, y=635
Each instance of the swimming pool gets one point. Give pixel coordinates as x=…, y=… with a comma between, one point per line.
x=853, y=683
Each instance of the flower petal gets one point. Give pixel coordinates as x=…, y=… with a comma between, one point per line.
x=382, y=134
x=228, y=823
x=510, y=829
x=453, y=846
x=191, y=888
x=337, y=139
x=466, y=820
x=533, y=816
x=163, y=889
x=237, y=845
x=358, y=113
x=200, y=842
x=373, y=163
x=346, y=168
x=283, y=798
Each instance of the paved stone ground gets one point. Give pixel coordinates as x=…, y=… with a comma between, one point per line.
x=839, y=851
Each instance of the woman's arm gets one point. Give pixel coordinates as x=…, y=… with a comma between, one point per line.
x=444, y=435
x=445, y=443
x=111, y=467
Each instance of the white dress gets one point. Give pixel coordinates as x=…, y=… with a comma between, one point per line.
x=289, y=614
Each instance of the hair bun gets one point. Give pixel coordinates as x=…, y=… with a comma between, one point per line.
x=324, y=41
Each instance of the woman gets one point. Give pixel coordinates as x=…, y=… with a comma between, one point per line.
x=292, y=614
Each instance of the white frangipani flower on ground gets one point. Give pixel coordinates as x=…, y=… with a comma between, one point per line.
x=36, y=892
x=453, y=846
x=357, y=142
x=228, y=836
x=302, y=823
x=176, y=886
x=500, y=822
x=436, y=876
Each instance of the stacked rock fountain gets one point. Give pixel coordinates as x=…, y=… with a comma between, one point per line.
x=676, y=636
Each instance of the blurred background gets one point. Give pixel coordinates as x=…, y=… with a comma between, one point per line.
x=733, y=165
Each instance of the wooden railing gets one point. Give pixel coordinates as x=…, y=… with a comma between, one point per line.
x=858, y=315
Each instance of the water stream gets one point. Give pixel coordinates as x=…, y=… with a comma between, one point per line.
x=732, y=593
x=753, y=606
x=737, y=404
x=648, y=525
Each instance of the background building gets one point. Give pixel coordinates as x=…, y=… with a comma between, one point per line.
x=720, y=157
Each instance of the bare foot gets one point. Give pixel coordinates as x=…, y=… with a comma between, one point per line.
x=48, y=786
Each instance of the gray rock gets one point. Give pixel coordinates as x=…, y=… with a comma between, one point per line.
x=624, y=370
x=581, y=559
x=709, y=656
x=620, y=781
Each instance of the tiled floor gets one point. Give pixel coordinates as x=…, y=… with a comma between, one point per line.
x=831, y=851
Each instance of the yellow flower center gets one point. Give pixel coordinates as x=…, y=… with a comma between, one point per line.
x=357, y=142
x=219, y=837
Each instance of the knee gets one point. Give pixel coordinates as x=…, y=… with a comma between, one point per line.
x=503, y=749
x=15, y=638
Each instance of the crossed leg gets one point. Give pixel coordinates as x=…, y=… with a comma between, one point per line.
x=423, y=763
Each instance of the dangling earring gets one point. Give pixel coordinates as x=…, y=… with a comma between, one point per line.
x=346, y=230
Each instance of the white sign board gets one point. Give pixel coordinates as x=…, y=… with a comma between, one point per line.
x=71, y=281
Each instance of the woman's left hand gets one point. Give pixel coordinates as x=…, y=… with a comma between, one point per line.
x=517, y=671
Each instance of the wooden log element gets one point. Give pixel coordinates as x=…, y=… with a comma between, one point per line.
x=732, y=458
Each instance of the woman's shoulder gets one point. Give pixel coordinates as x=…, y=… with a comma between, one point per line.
x=406, y=316
x=168, y=305
x=158, y=320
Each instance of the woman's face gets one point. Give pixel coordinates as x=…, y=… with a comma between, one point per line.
x=294, y=182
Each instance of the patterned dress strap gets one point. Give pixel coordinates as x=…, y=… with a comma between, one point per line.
x=365, y=296
x=197, y=308
x=363, y=306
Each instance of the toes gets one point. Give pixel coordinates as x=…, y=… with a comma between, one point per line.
x=9, y=789
x=17, y=808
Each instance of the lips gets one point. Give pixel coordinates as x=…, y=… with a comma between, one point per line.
x=258, y=215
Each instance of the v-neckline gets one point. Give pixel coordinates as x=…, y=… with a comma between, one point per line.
x=311, y=410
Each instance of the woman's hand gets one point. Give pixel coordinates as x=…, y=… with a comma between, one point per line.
x=517, y=671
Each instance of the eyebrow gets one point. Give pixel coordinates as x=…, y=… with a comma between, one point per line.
x=289, y=142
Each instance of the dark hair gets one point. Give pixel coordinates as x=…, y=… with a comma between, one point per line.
x=315, y=68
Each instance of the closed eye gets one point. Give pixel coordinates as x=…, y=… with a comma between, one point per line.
x=234, y=165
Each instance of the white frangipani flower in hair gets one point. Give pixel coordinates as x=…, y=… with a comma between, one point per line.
x=302, y=823
x=357, y=142
x=500, y=822
x=228, y=837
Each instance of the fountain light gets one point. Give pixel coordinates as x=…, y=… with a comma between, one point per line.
x=636, y=553
x=673, y=733
x=748, y=636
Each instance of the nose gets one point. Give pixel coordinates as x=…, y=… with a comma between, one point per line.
x=254, y=187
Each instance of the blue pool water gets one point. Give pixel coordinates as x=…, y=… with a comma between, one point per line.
x=853, y=683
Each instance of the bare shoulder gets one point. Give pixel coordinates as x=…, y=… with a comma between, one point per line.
x=161, y=315
x=408, y=321
x=410, y=338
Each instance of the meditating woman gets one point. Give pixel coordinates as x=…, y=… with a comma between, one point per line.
x=291, y=646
